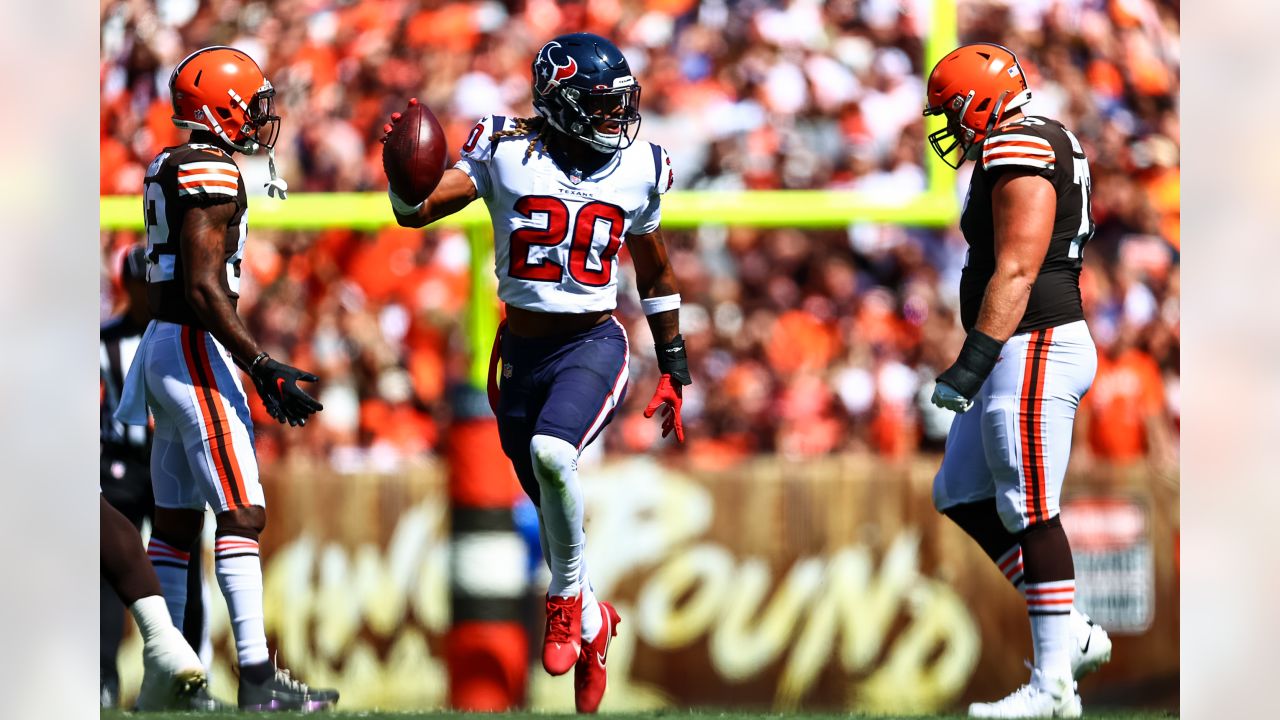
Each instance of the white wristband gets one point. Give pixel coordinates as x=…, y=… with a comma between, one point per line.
x=400, y=206
x=652, y=306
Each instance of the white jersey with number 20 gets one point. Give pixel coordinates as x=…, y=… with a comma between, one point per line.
x=557, y=237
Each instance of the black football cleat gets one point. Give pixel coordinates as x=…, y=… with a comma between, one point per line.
x=199, y=700
x=283, y=692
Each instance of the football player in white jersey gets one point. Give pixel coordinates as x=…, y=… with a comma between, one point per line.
x=564, y=190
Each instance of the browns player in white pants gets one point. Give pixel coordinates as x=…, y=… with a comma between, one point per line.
x=1027, y=361
x=202, y=454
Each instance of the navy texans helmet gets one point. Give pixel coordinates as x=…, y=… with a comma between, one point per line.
x=584, y=88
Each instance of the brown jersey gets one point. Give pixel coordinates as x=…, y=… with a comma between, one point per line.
x=1046, y=148
x=180, y=178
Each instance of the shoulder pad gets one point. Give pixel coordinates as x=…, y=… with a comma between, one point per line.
x=1025, y=143
x=478, y=144
x=205, y=170
x=663, y=174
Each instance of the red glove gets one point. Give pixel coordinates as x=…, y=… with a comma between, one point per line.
x=670, y=395
x=395, y=118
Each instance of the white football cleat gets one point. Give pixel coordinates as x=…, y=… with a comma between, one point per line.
x=171, y=672
x=1040, y=698
x=1091, y=648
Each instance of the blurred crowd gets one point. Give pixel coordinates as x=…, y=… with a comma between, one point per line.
x=801, y=343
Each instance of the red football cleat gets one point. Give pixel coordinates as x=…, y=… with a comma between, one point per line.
x=562, y=642
x=589, y=675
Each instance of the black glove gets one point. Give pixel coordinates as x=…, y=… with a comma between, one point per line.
x=977, y=359
x=277, y=385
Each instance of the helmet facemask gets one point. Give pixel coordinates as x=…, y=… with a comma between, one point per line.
x=261, y=126
x=263, y=120
x=607, y=119
x=964, y=139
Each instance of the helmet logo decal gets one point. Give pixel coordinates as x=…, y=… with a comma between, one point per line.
x=554, y=66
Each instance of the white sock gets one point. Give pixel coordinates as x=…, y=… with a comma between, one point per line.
x=591, y=620
x=205, y=651
x=170, y=565
x=239, y=571
x=151, y=615
x=1049, y=607
x=555, y=464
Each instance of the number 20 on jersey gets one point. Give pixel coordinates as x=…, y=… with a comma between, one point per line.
x=557, y=229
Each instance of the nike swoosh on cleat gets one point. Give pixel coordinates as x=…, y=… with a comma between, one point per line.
x=1088, y=639
x=607, y=628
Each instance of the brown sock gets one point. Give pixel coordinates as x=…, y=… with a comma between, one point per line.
x=982, y=522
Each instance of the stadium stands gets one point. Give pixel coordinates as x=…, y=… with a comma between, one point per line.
x=814, y=342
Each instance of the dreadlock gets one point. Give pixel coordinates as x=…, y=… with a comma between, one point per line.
x=535, y=127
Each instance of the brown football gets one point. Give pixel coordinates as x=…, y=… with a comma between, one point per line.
x=414, y=154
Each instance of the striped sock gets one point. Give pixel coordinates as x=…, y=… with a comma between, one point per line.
x=170, y=564
x=1049, y=605
x=239, y=571
x=1010, y=564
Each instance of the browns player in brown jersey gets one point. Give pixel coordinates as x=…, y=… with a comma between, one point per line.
x=1027, y=359
x=202, y=451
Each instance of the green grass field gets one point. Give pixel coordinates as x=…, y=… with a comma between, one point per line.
x=671, y=715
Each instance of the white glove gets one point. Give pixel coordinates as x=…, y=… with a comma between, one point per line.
x=948, y=398
x=400, y=206
x=277, y=186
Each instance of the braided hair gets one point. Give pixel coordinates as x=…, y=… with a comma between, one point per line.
x=535, y=127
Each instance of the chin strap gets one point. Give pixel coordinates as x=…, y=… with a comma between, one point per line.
x=277, y=183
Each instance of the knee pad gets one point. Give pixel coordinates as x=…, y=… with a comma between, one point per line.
x=554, y=460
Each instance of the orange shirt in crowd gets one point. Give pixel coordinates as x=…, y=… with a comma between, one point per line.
x=800, y=341
x=400, y=425
x=1125, y=392
x=1164, y=191
x=451, y=27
